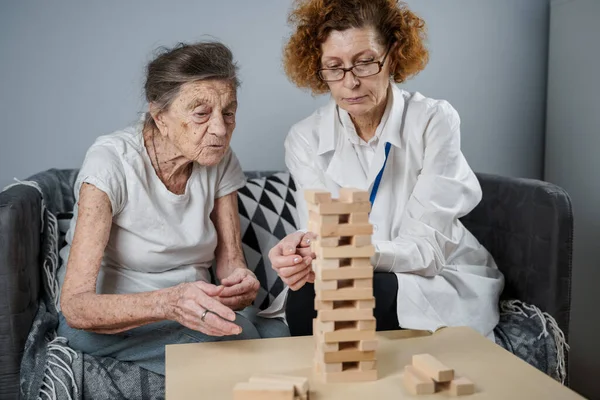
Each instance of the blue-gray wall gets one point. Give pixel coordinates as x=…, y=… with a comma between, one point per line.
x=573, y=162
x=72, y=70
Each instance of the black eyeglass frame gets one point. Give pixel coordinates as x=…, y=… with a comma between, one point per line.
x=380, y=64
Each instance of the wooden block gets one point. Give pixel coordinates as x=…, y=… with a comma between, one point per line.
x=348, y=355
x=350, y=376
x=323, y=326
x=368, y=345
x=323, y=305
x=432, y=367
x=344, y=251
x=329, y=263
x=317, y=197
x=361, y=263
x=346, y=293
x=361, y=240
x=359, y=218
x=351, y=314
x=300, y=382
x=461, y=387
x=321, y=367
x=323, y=219
x=367, y=325
x=339, y=208
x=353, y=195
x=333, y=241
x=348, y=335
x=417, y=383
x=264, y=391
x=367, y=365
x=363, y=283
x=325, y=285
x=344, y=273
x=327, y=230
x=326, y=347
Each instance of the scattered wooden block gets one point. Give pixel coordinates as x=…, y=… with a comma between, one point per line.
x=339, y=208
x=432, y=367
x=416, y=382
x=317, y=197
x=353, y=195
x=461, y=387
x=300, y=383
x=264, y=391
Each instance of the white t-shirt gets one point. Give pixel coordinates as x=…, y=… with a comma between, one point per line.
x=158, y=239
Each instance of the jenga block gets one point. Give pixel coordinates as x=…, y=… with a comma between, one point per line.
x=359, y=218
x=350, y=376
x=351, y=314
x=368, y=345
x=321, y=367
x=345, y=304
x=264, y=391
x=338, y=208
x=317, y=197
x=321, y=305
x=300, y=382
x=348, y=335
x=325, y=285
x=461, y=386
x=367, y=325
x=323, y=219
x=348, y=355
x=416, y=382
x=344, y=251
x=432, y=367
x=361, y=240
x=363, y=283
x=361, y=263
x=327, y=230
x=352, y=195
x=322, y=326
x=333, y=241
x=326, y=347
x=329, y=263
x=367, y=365
x=344, y=273
x=346, y=294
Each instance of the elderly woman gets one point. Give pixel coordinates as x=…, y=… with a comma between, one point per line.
x=404, y=149
x=156, y=205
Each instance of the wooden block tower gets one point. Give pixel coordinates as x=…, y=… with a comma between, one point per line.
x=344, y=329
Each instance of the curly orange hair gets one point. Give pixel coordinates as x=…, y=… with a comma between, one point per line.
x=313, y=20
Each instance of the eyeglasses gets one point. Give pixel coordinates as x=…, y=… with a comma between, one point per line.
x=361, y=70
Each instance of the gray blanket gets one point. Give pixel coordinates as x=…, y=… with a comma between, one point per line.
x=52, y=370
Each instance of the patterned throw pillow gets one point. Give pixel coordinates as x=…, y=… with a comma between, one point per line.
x=267, y=213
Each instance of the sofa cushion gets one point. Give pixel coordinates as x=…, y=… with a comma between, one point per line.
x=267, y=214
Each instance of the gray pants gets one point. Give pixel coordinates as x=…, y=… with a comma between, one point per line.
x=145, y=345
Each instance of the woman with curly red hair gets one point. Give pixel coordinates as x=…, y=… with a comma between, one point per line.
x=403, y=148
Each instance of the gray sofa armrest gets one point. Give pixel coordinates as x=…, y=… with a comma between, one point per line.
x=527, y=225
x=20, y=241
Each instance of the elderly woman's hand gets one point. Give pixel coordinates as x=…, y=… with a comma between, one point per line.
x=292, y=259
x=195, y=306
x=240, y=289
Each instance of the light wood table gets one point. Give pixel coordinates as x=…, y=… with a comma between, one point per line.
x=210, y=370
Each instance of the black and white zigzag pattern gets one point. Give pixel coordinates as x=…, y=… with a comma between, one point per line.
x=267, y=214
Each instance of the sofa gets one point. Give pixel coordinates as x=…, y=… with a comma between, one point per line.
x=526, y=224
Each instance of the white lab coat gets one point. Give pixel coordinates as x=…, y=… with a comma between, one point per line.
x=445, y=277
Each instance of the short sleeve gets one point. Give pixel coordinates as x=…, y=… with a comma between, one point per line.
x=230, y=175
x=103, y=168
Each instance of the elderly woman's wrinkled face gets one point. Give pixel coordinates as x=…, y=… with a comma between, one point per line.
x=201, y=120
x=344, y=49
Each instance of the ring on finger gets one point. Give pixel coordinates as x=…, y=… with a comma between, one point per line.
x=204, y=314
